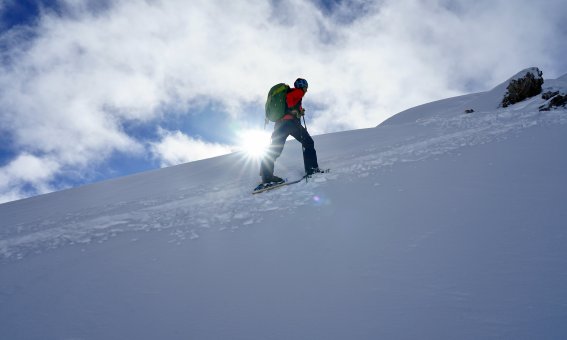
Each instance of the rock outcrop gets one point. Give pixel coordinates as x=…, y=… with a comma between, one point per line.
x=554, y=99
x=523, y=87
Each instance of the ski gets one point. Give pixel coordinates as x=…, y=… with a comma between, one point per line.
x=271, y=186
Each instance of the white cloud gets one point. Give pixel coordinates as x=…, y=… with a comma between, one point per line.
x=26, y=169
x=175, y=148
x=30, y=168
x=68, y=92
x=11, y=195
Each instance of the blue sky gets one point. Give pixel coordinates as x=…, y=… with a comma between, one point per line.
x=98, y=89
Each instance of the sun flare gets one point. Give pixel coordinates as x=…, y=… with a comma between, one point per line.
x=254, y=143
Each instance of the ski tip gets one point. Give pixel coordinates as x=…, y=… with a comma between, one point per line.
x=267, y=186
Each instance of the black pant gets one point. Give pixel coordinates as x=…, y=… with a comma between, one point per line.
x=282, y=130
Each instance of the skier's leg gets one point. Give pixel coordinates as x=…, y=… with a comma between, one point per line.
x=275, y=149
x=309, y=153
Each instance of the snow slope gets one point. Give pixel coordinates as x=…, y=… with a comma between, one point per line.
x=434, y=225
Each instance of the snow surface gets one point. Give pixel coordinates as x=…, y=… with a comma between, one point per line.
x=436, y=224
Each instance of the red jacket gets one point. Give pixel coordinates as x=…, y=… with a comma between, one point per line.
x=293, y=98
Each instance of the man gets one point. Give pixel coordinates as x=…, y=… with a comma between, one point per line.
x=290, y=124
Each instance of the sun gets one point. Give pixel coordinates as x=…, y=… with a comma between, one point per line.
x=254, y=143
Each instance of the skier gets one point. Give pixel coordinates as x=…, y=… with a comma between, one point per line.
x=290, y=124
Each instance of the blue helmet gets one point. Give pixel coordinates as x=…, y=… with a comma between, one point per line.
x=300, y=83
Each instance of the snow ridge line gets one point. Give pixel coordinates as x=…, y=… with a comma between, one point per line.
x=454, y=133
x=188, y=218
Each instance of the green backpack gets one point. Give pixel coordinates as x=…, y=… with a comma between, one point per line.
x=276, y=104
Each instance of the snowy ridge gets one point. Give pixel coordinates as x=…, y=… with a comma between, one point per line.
x=437, y=224
x=193, y=211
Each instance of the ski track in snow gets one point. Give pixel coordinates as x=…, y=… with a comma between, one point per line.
x=190, y=215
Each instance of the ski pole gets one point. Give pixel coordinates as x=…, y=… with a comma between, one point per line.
x=302, y=147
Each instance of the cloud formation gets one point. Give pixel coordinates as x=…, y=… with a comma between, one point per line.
x=74, y=80
x=175, y=148
x=25, y=170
